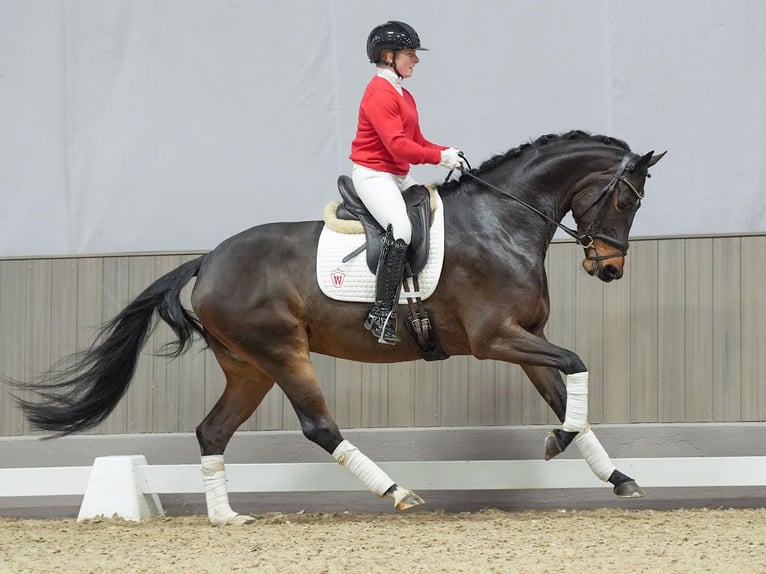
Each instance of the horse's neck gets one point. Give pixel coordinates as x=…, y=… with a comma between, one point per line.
x=545, y=182
x=539, y=189
x=490, y=218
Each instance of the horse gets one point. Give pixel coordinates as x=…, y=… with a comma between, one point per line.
x=258, y=308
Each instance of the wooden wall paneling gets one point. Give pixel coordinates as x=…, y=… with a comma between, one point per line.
x=348, y=394
x=38, y=319
x=374, y=386
x=403, y=380
x=754, y=329
x=617, y=350
x=643, y=384
x=481, y=393
x=453, y=402
x=671, y=330
x=727, y=329
x=698, y=303
x=427, y=392
x=509, y=381
x=679, y=339
x=63, y=322
x=13, y=341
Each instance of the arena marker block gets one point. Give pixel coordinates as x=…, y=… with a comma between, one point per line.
x=116, y=489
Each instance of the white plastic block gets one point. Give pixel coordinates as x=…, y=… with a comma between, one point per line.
x=116, y=488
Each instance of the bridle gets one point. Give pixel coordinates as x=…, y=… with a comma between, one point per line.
x=588, y=239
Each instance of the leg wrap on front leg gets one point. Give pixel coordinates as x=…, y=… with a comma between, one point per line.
x=594, y=454
x=346, y=454
x=576, y=416
x=216, y=494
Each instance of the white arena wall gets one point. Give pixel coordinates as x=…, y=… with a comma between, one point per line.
x=168, y=126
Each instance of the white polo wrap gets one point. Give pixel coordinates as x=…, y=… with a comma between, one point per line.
x=216, y=494
x=594, y=454
x=346, y=454
x=576, y=416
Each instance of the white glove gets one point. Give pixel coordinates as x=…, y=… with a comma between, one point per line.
x=452, y=160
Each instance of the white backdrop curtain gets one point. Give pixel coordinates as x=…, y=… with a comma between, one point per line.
x=168, y=125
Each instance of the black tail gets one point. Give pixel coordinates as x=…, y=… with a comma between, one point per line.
x=82, y=389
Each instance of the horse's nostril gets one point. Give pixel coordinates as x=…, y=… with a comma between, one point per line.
x=613, y=272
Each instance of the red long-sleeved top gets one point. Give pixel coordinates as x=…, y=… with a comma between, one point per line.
x=388, y=136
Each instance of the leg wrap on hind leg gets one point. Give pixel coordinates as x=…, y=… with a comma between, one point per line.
x=576, y=416
x=346, y=454
x=216, y=494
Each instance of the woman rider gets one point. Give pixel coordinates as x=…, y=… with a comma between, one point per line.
x=388, y=140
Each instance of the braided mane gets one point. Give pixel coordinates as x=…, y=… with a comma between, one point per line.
x=544, y=140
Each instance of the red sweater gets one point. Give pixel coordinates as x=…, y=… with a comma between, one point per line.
x=388, y=134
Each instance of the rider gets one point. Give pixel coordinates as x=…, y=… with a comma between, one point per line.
x=388, y=140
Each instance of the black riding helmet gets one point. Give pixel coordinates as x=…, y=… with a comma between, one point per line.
x=392, y=35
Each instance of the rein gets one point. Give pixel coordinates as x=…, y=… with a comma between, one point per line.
x=588, y=239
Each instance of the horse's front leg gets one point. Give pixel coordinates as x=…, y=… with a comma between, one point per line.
x=542, y=361
x=548, y=383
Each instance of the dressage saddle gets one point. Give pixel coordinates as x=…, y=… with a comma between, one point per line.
x=417, y=199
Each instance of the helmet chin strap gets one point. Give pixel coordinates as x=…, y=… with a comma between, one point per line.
x=392, y=64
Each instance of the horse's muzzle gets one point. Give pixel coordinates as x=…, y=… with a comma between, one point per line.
x=603, y=261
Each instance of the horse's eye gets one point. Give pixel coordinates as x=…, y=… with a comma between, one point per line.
x=624, y=200
x=622, y=205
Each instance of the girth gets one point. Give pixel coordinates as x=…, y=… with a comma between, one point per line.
x=417, y=200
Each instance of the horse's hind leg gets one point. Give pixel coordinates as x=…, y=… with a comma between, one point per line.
x=246, y=386
x=301, y=387
x=547, y=381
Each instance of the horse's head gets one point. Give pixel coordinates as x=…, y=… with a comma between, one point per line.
x=604, y=215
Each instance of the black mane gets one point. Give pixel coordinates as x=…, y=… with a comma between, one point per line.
x=499, y=159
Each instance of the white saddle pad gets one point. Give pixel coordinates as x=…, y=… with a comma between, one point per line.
x=352, y=281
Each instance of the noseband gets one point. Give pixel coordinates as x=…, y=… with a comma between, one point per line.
x=587, y=240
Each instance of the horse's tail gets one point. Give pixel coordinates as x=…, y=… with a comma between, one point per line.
x=82, y=389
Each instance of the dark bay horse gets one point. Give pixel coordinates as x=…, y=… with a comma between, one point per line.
x=257, y=304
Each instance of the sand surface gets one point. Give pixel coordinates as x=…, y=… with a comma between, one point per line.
x=556, y=541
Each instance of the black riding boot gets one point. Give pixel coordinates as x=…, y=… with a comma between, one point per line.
x=381, y=321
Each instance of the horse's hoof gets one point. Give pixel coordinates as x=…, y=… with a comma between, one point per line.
x=552, y=446
x=628, y=489
x=236, y=520
x=405, y=499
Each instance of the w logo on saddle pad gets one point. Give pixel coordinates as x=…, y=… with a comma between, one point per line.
x=352, y=280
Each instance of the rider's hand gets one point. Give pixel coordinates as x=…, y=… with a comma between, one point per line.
x=452, y=159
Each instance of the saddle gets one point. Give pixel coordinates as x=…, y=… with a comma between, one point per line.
x=417, y=199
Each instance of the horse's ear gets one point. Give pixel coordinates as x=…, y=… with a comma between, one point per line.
x=652, y=159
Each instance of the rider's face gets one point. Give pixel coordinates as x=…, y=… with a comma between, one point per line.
x=406, y=61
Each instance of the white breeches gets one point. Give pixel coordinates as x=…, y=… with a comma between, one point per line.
x=381, y=192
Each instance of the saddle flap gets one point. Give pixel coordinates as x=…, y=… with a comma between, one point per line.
x=417, y=200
